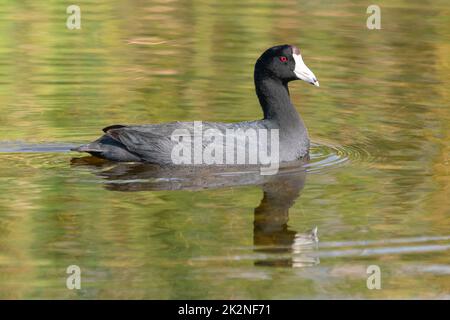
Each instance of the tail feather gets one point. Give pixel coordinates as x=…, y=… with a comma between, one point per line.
x=107, y=148
x=114, y=126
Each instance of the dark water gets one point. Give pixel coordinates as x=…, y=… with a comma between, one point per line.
x=376, y=188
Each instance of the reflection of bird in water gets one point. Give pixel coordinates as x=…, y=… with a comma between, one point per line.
x=271, y=234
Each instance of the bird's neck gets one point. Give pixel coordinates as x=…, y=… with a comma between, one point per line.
x=273, y=95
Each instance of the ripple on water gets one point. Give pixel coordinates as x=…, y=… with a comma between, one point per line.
x=21, y=147
x=325, y=156
x=34, y=155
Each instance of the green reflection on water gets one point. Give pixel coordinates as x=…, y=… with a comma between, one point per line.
x=383, y=100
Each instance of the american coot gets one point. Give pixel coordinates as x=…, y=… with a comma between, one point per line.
x=155, y=143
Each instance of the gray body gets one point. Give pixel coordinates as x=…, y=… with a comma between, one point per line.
x=152, y=143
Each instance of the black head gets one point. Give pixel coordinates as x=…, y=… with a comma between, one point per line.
x=284, y=63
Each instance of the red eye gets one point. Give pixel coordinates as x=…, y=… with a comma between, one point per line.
x=283, y=59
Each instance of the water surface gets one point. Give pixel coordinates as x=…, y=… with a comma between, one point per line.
x=376, y=188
